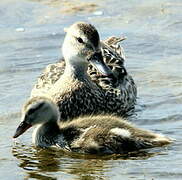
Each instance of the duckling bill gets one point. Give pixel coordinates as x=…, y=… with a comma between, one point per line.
x=22, y=128
x=101, y=134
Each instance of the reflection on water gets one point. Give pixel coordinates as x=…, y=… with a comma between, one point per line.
x=43, y=163
x=31, y=37
x=36, y=162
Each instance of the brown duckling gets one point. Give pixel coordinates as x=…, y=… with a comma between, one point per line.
x=101, y=134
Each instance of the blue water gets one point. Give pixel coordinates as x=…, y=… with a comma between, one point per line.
x=31, y=34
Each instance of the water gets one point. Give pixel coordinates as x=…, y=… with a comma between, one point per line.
x=30, y=38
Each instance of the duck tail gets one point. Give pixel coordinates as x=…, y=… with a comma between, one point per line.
x=114, y=43
x=161, y=140
x=113, y=40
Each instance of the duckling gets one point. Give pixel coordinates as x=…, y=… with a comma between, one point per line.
x=98, y=134
x=106, y=85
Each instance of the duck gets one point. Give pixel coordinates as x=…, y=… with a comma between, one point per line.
x=97, y=134
x=108, y=82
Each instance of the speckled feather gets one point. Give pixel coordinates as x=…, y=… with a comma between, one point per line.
x=118, y=98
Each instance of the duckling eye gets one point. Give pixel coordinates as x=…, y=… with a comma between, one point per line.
x=80, y=40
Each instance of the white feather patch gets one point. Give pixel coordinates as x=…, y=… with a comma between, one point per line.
x=121, y=132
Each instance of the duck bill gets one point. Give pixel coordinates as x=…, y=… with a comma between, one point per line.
x=97, y=61
x=21, y=129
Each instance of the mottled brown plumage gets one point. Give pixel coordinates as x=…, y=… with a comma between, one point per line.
x=77, y=97
x=93, y=93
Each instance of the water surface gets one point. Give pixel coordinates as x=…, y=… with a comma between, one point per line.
x=31, y=37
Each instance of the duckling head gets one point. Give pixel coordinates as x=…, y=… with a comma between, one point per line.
x=37, y=111
x=82, y=46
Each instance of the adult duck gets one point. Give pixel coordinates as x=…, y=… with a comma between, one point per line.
x=113, y=84
x=101, y=134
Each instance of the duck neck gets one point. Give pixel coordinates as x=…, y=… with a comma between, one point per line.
x=45, y=135
x=76, y=70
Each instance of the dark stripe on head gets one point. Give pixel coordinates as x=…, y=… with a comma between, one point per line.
x=35, y=103
x=32, y=110
x=91, y=32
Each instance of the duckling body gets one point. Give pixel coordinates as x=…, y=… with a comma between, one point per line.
x=106, y=134
x=118, y=94
x=101, y=134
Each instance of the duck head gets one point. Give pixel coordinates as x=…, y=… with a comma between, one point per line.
x=82, y=46
x=37, y=111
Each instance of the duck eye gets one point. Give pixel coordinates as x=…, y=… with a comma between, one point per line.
x=80, y=40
